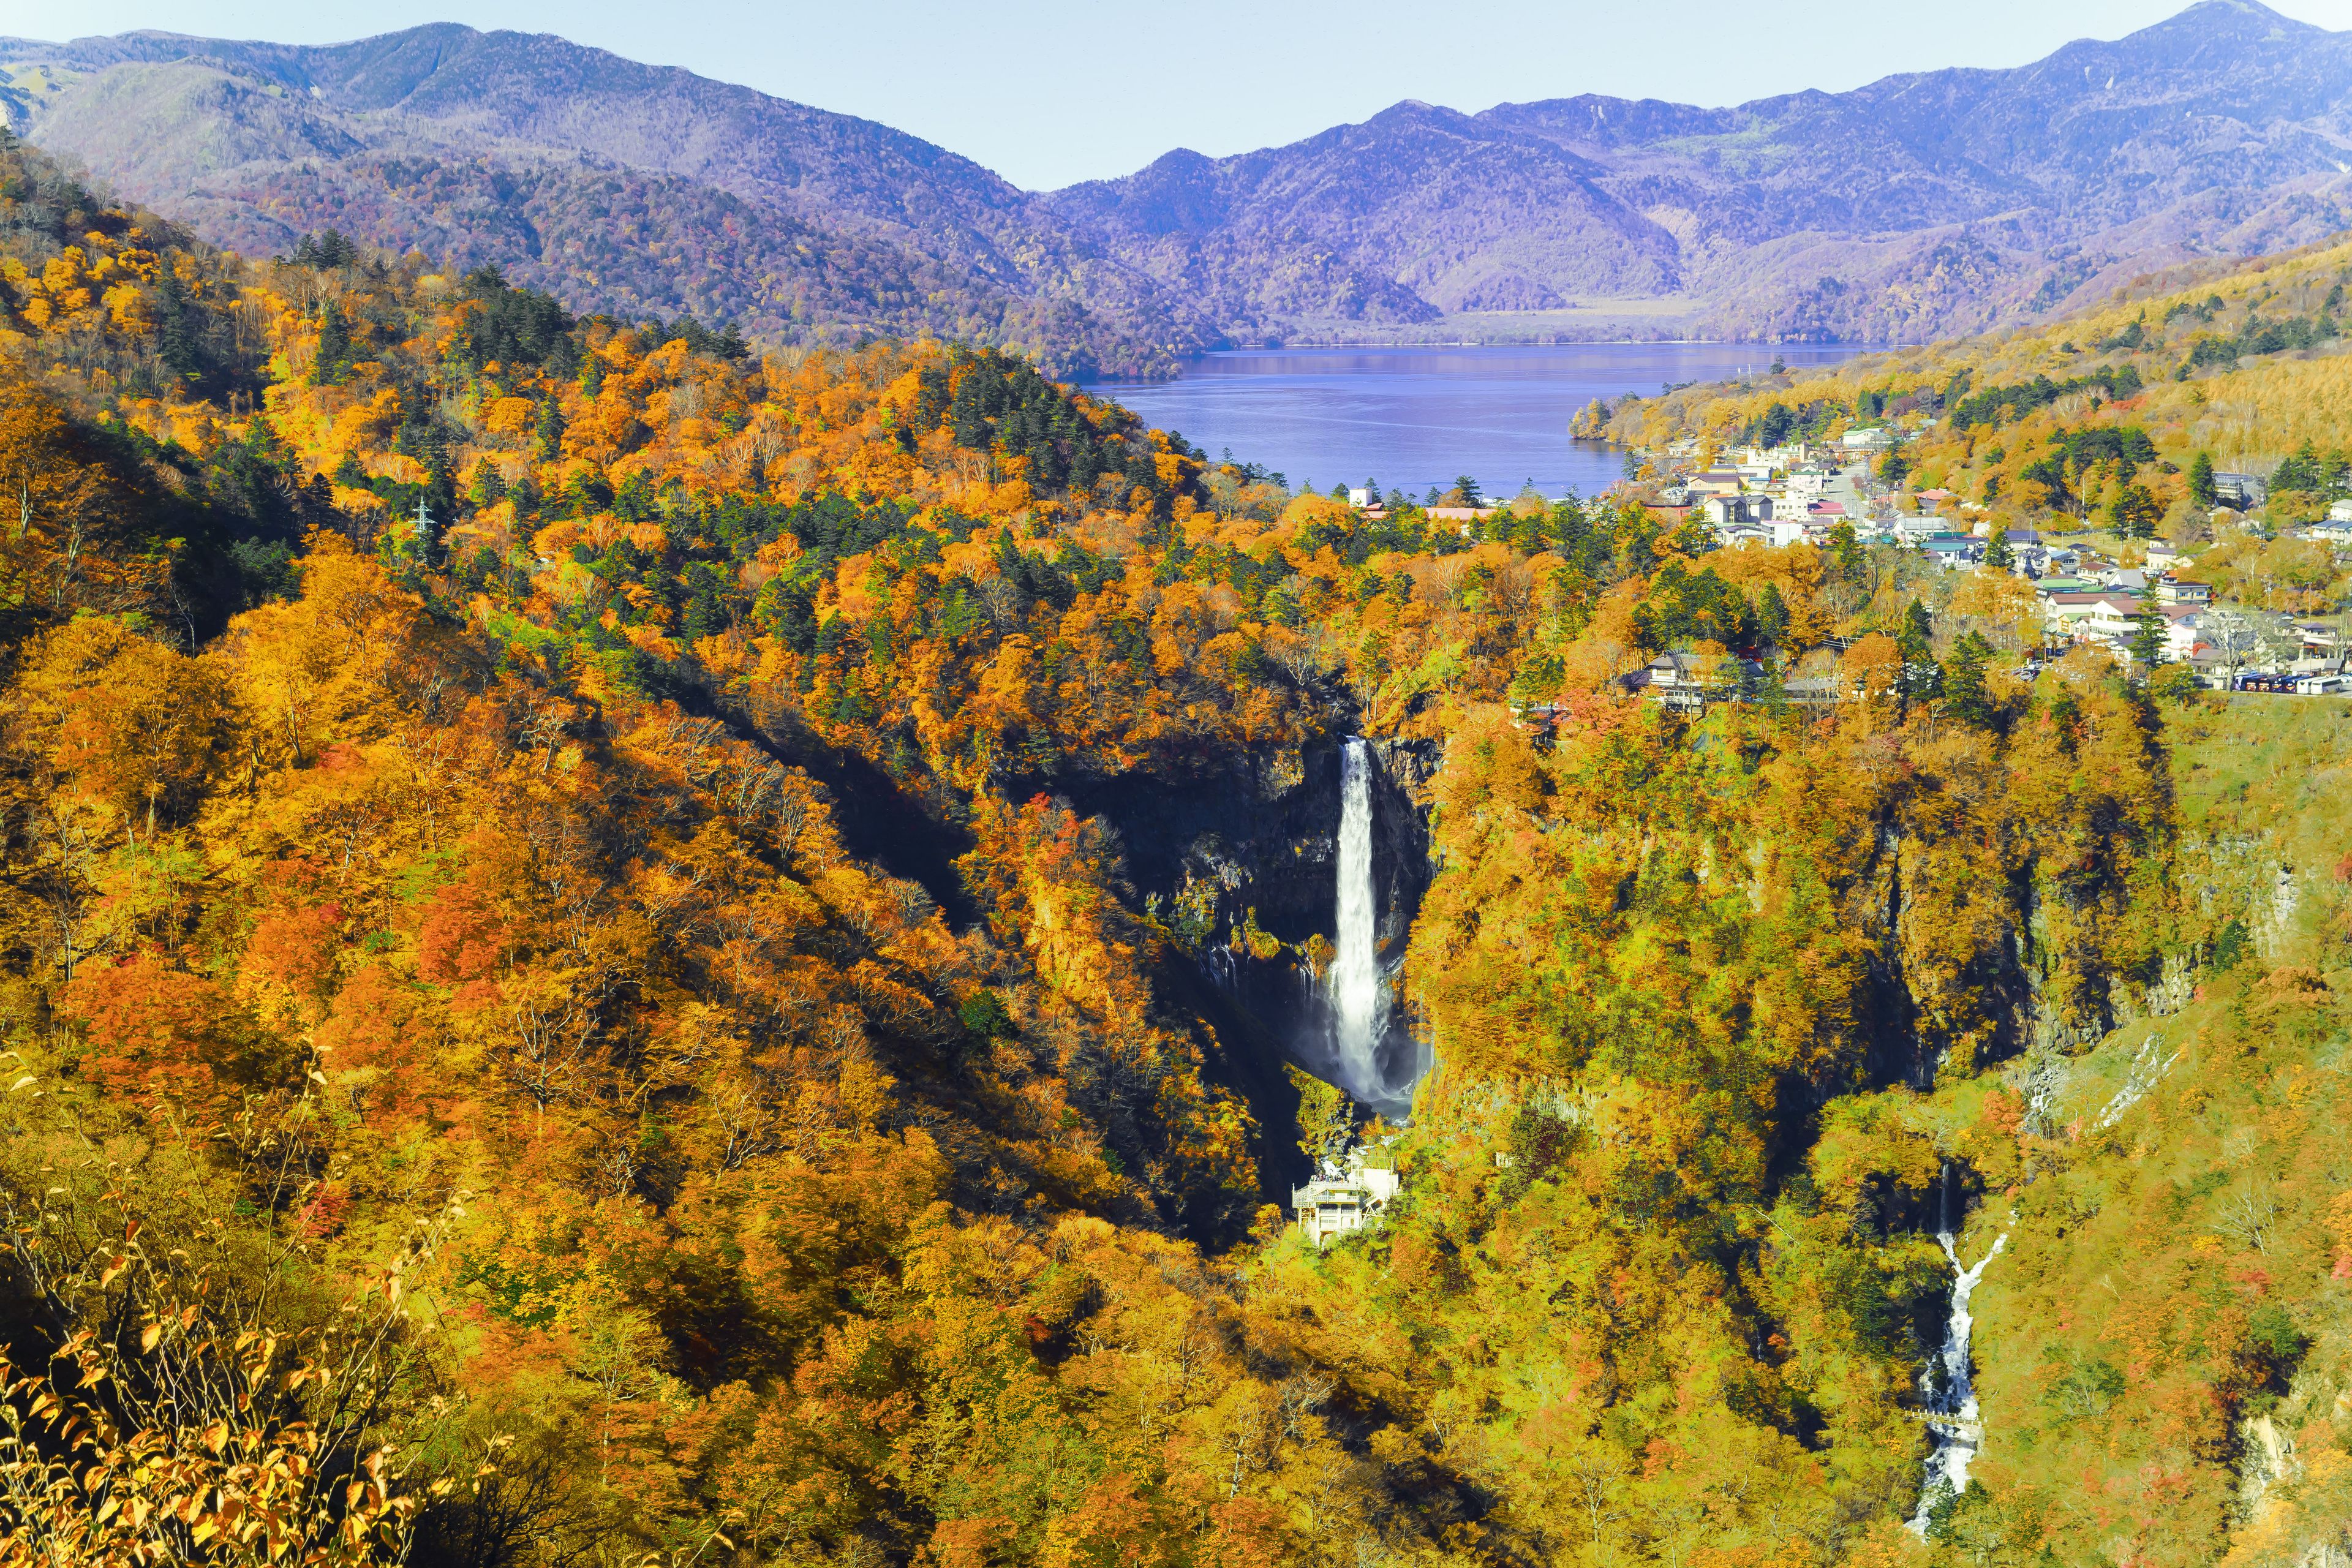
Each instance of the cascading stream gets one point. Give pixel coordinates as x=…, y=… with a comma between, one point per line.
x=1947, y=1384
x=1357, y=993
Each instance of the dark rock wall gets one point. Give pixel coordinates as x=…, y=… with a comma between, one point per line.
x=1265, y=839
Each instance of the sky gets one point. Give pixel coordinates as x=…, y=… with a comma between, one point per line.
x=1050, y=92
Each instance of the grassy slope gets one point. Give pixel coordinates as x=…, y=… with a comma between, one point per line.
x=2242, y=410
x=2165, y=1348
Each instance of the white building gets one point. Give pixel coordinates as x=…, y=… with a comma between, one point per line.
x=2241, y=490
x=1338, y=1202
x=2184, y=628
x=2174, y=591
x=1675, y=677
x=2082, y=617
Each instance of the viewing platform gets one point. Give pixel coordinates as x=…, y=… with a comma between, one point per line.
x=1338, y=1202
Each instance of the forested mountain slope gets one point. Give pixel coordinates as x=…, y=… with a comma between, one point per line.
x=1916, y=206
x=2168, y=1321
x=1919, y=205
x=666, y=1011
x=619, y=185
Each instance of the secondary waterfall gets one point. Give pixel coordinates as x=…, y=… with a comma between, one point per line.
x=1947, y=1385
x=1357, y=997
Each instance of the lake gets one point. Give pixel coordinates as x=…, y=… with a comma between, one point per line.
x=1413, y=417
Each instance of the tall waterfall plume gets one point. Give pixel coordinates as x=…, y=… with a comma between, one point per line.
x=1947, y=1384
x=1359, y=998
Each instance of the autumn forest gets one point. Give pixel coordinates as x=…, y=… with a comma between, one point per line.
x=619, y=948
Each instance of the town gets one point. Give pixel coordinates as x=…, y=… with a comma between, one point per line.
x=2143, y=600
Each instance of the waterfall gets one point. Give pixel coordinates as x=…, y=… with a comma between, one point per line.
x=1357, y=996
x=1947, y=1385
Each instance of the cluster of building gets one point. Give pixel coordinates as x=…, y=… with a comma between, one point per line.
x=2228, y=647
x=1801, y=493
x=1778, y=496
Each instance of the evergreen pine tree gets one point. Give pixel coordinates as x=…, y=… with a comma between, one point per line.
x=2200, y=479
x=2303, y=471
x=2147, y=637
x=176, y=342
x=1998, y=555
x=1966, y=697
x=2135, y=512
x=1845, y=545
x=1771, y=688
x=334, y=347
x=1771, y=613
x=486, y=486
x=550, y=432
x=1922, y=677
x=440, y=480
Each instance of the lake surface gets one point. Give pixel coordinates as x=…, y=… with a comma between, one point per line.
x=1413, y=417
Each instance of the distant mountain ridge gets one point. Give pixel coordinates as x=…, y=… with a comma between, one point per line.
x=1919, y=205
x=256, y=144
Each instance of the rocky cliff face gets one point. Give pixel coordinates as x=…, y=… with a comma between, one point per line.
x=1243, y=866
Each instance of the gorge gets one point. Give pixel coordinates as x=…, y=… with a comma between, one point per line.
x=732, y=999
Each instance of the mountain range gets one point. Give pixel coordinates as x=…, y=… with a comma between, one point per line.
x=1920, y=205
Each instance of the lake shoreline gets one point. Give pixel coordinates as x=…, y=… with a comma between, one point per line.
x=1417, y=416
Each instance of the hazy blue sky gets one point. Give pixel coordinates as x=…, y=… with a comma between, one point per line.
x=1051, y=91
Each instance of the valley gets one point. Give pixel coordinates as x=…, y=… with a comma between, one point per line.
x=627, y=938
